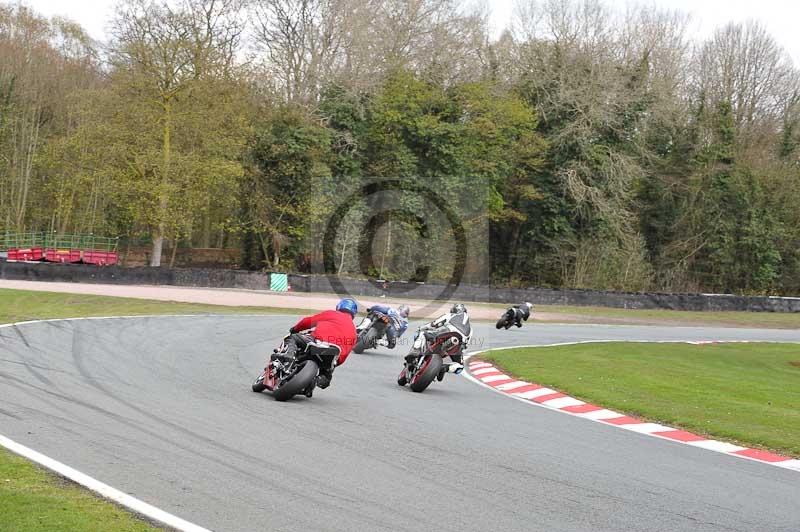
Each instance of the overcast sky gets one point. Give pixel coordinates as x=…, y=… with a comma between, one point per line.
x=780, y=16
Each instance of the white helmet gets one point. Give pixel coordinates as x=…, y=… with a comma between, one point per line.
x=458, y=308
x=404, y=311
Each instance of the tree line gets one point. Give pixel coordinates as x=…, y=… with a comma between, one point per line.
x=602, y=148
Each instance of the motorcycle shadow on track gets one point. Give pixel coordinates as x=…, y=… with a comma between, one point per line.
x=379, y=354
x=386, y=386
x=386, y=379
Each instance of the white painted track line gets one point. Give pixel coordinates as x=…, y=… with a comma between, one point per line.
x=563, y=402
x=113, y=494
x=599, y=415
x=533, y=394
x=104, y=490
x=495, y=378
x=719, y=446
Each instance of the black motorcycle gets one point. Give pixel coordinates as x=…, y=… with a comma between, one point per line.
x=288, y=376
x=506, y=321
x=370, y=331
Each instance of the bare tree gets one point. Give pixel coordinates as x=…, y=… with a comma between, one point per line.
x=743, y=65
x=305, y=42
x=441, y=40
x=308, y=44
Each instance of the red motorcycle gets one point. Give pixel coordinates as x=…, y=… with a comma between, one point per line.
x=287, y=376
x=419, y=372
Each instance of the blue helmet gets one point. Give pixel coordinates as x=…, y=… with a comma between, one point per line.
x=348, y=305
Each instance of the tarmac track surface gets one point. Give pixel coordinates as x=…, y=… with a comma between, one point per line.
x=161, y=408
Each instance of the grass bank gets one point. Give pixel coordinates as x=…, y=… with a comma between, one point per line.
x=747, y=393
x=32, y=500
x=22, y=305
x=757, y=320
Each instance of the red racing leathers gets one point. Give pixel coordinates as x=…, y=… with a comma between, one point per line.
x=332, y=326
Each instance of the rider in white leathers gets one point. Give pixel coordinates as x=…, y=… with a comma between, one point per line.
x=457, y=324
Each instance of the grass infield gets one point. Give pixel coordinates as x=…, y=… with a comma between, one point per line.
x=746, y=393
x=32, y=500
x=23, y=305
x=756, y=320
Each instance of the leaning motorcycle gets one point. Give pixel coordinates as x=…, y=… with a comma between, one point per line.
x=370, y=331
x=286, y=376
x=506, y=320
x=422, y=371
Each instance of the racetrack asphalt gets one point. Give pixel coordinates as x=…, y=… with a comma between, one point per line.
x=161, y=408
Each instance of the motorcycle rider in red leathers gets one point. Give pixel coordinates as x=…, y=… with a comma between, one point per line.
x=331, y=326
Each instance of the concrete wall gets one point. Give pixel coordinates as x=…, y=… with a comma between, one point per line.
x=546, y=296
x=212, y=278
x=86, y=273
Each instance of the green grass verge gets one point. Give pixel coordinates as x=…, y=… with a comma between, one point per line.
x=748, y=393
x=572, y=314
x=32, y=499
x=769, y=320
x=22, y=305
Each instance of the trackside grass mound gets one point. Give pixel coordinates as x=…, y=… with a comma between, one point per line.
x=32, y=500
x=759, y=320
x=23, y=305
x=748, y=393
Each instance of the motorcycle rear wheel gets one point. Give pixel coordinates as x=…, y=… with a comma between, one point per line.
x=429, y=370
x=366, y=342
x=298, y=382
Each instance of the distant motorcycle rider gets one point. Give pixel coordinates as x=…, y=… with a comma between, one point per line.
x=520, y=313
x=331, y=326
x=398, y=321
x=456, y=323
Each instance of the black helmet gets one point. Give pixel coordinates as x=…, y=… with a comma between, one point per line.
x=458, y=308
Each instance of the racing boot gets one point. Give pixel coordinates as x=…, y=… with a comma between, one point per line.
x=452, y=367
x=324, y=378
x=287, y=355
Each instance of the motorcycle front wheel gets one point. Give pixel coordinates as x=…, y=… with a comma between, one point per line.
x=258, y=385
x=298, y=382
x=365, y=342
